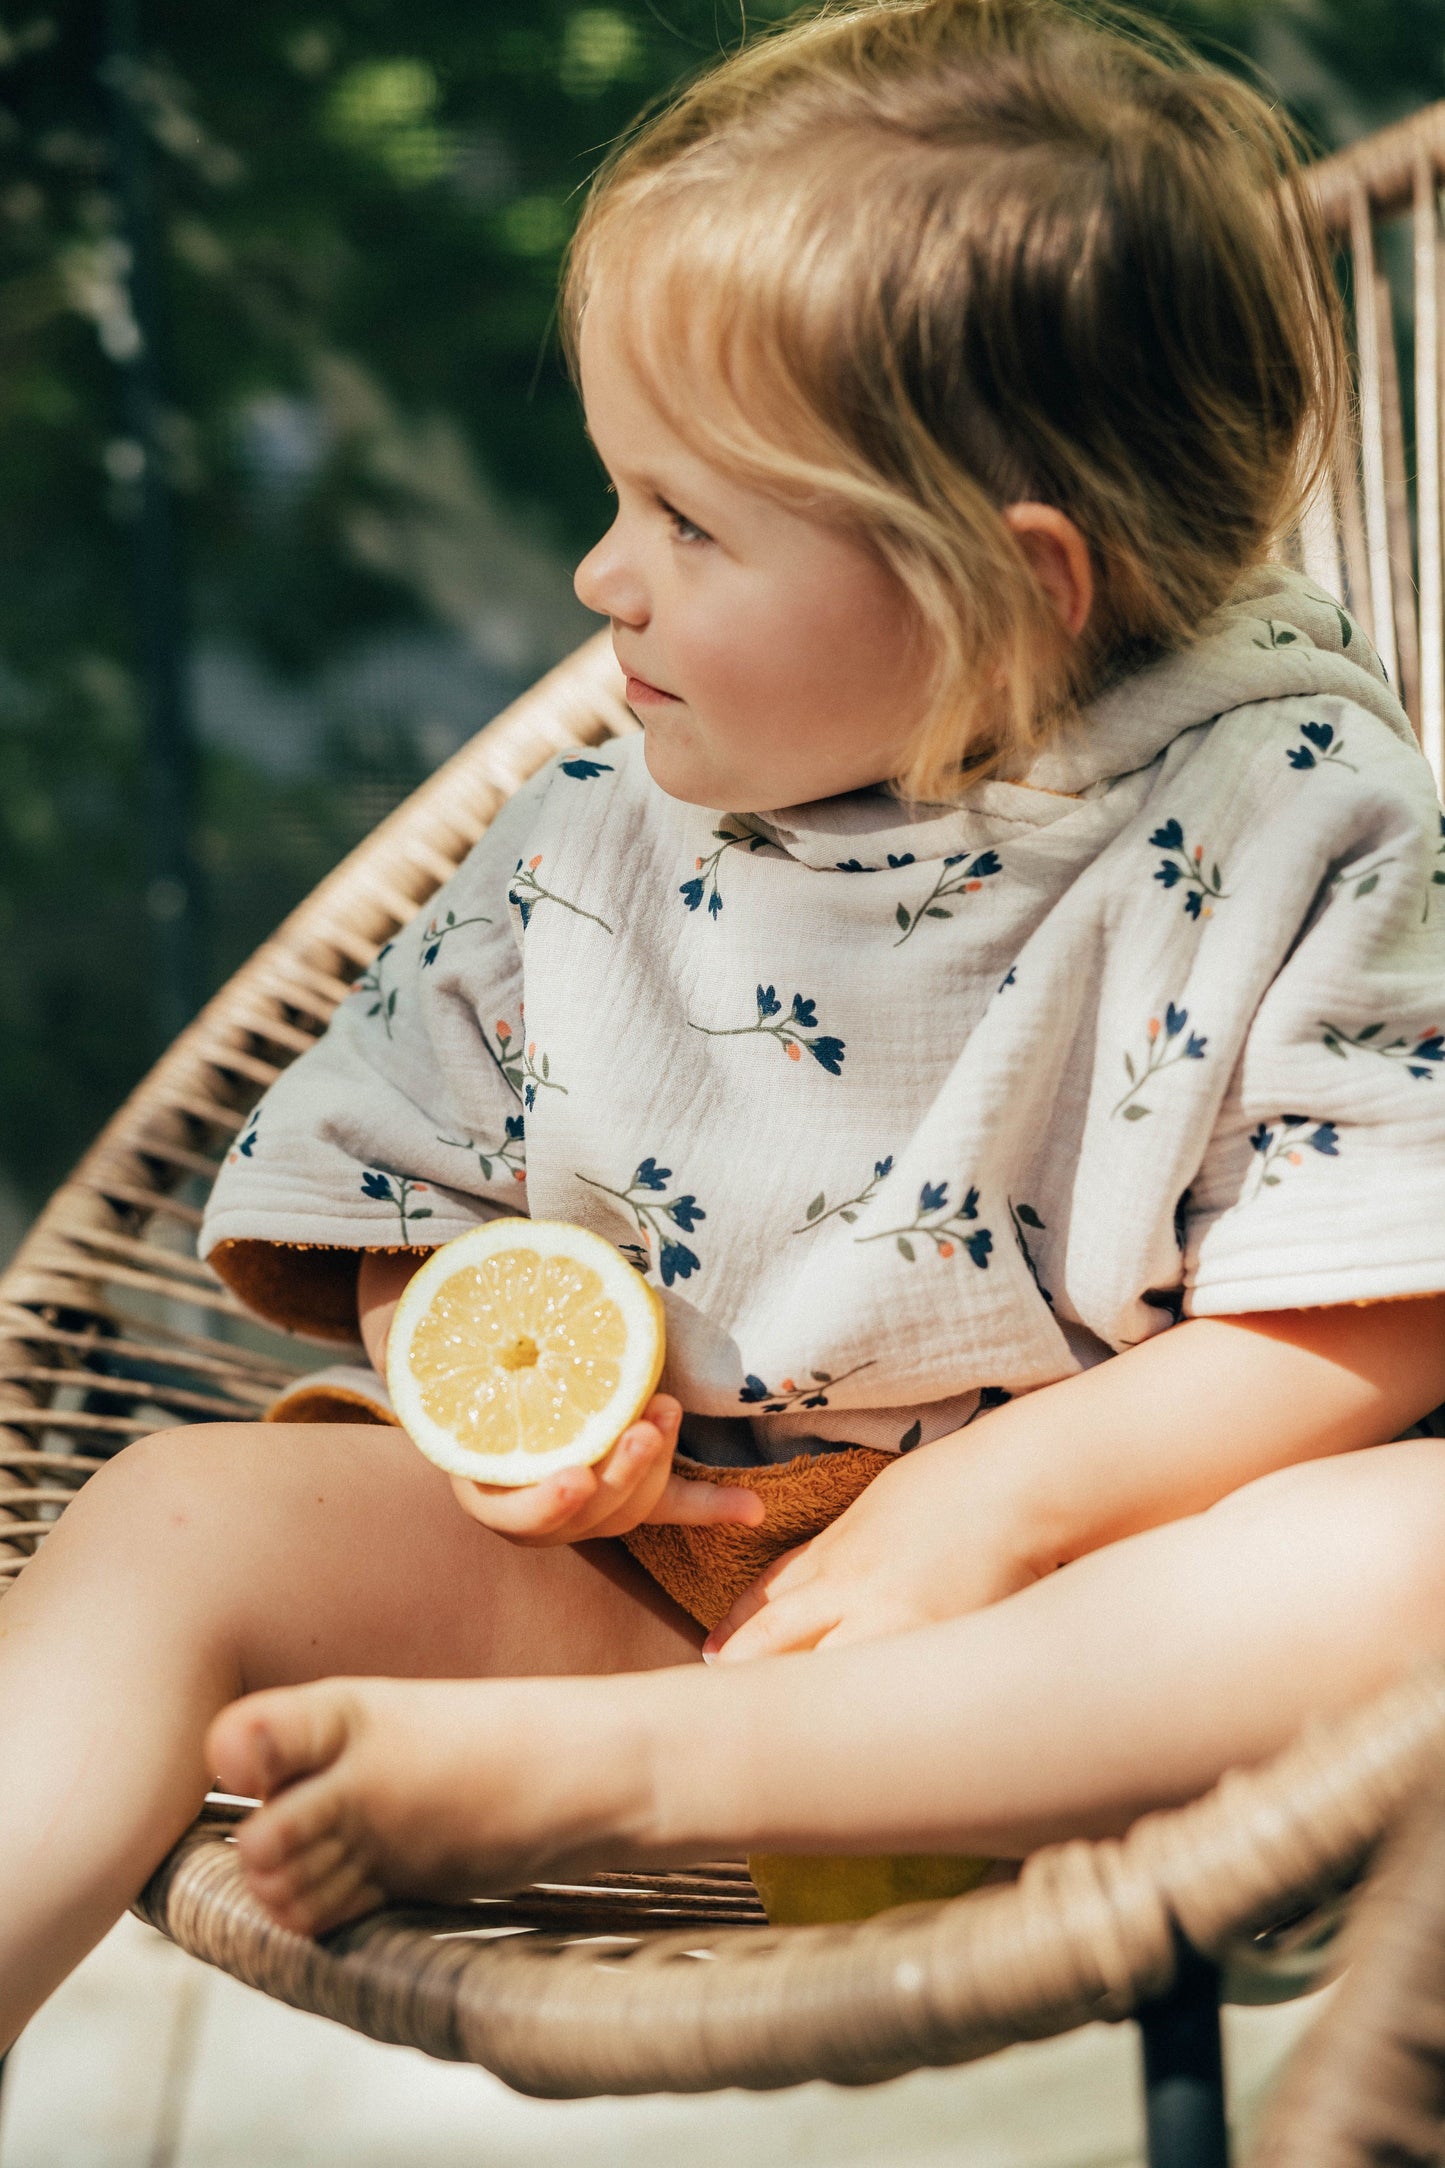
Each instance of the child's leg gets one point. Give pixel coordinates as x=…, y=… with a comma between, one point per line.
x=1127, y=1680
x=201, y=1564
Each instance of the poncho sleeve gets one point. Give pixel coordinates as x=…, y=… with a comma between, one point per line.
x=1324, y=1177
x=406, y=1123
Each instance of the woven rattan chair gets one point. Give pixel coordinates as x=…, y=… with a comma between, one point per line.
x=110, y=1328
x=1367, y=2088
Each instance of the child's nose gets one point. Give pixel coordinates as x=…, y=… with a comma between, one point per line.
x=604, y=582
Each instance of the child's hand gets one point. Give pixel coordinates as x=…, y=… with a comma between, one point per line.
x=904, y=1554
x=633, y=1483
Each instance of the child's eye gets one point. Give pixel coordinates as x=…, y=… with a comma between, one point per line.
x=680, y=520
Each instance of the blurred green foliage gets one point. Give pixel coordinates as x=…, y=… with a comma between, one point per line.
x=380, y=469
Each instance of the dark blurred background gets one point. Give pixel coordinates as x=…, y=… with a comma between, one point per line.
x=291, y=477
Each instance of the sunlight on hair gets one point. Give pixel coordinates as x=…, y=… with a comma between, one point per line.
x=904, y=264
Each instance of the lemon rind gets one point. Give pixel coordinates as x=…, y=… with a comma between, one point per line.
x=641, y=1363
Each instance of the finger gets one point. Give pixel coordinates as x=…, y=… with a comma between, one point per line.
x=757, y=1593
x=789, y=1624
x=534, y=1510
x=870, y=1625
x=577, y=1501
x=641, y=1456
x=705, y=1505
x=666, y=1412
x=629, y=1480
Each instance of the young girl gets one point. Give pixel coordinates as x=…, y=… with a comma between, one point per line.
x=1031, y=1127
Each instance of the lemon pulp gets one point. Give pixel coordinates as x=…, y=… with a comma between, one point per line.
x=515, y=1353
x=523, y=1347
x=807, y=1889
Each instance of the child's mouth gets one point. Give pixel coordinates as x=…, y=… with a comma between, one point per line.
x=639, y=689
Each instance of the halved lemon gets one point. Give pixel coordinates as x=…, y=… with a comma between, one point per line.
x=522, y=1347
x=808, y=1889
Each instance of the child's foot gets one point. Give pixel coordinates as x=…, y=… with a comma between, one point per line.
x=381, y=1788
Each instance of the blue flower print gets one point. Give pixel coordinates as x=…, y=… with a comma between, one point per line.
x=374, y=982
x=517, y=1061
x=788, y=1398
x=1278, y=635
x=856, y=865
x=1169, y=1042
x=245, y=1145
x=705, y=878
x=959, y=876
x=510, y=1155
x=397, y=1190
x=1022, y=1216
x=1418, y=1054
x=582, y=768
x=437, y=930
x=791, y=1031
x=1363, y=878
x=656, y=1220
x=948, y=1229
x=527, y=892
x=820, y=1209
x=1286, y=1146
x=1322, y=746
x=1183, y=865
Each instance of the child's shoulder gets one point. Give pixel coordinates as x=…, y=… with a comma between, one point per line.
x=1296, y=694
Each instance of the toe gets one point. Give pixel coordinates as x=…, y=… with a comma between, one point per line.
x=345, y=1893
x=268, y=1740
x=291, y=1826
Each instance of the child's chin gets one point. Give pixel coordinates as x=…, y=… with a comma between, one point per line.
x=692, y=781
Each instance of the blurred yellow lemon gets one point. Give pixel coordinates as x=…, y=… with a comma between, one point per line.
x=522, y=1347
x=805, y=1889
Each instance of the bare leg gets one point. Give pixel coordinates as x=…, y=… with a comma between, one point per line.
x=1129, y=1679
x=202, y=1564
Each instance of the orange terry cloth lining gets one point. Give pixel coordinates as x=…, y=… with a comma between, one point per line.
x=303, y=1286
x=329, y=1396
x=706, y=1569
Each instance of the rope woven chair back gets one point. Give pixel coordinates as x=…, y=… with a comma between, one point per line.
x=1358, y=539
x=111, y=1328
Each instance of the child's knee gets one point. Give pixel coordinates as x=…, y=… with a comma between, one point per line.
x=1407, y=1535
x=1381, y=1512
x=174, y=1477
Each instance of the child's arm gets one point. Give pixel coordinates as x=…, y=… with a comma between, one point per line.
x=1159, y=1432
x=630, y=1484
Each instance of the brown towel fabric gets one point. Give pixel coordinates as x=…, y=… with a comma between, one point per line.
x=304, y=1287
x=707, y=1569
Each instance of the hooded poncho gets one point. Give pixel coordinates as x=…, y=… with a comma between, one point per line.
x=905, y=1115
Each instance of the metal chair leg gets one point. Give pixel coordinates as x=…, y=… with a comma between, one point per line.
x=1184, y=2069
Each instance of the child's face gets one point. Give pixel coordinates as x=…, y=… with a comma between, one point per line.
x=782, y=642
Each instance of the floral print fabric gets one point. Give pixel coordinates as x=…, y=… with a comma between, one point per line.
x=903, y=1115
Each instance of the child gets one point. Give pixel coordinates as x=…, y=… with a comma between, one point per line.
x=954, y=362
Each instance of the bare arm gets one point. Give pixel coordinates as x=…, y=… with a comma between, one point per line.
x=383, y=1275
x=1178, y=1422
x=1157, y=1433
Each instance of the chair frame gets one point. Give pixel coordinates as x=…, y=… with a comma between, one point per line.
x=110, y=1328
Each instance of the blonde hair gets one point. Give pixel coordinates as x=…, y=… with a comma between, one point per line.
x=901, y=264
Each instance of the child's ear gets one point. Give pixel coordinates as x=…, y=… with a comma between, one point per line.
x=1059, y=556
